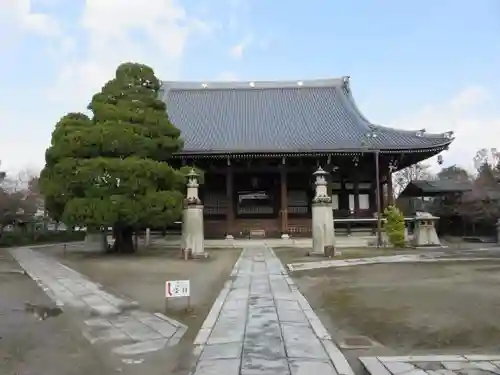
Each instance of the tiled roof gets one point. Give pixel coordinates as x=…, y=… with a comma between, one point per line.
x=428, y=188
x=291, y=116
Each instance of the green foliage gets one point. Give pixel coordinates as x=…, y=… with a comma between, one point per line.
x=8, y=239
x=394, y=226
x=111, y=169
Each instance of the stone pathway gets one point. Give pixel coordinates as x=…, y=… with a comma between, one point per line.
x=402, y=258
x=106, y=318
x=477, y=364
x=261, y=324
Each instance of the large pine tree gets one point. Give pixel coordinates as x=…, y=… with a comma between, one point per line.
x=110, y=169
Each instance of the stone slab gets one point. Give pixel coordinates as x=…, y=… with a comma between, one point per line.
x=265, y=324
x=254, y=365
x=218, y=367
x=373, y=366
x=423, y=358
x=482, y=357
x=399, y=367
x=301, y=342
x=308, y=367
x=432, y=365
x=337, y=357
x=141, y=347
x=221, y=351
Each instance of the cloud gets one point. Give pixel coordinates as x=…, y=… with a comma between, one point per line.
x=19, y=14
x=115, y=31
x=236, y=51
x=83, y=50
x=20, y=149
x=467, y=114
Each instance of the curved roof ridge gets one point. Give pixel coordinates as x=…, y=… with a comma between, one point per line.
x=217, y=85
x=272, y=115
x=354, y=107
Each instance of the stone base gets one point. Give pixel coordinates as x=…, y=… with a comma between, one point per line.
x=204, y=255
x=316, y=254
x=425, y=236
x=96, y=241
x=328, y=252
x=188, y=254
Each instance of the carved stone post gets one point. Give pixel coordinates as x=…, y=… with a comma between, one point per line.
x=323, y=234
x=192, y=219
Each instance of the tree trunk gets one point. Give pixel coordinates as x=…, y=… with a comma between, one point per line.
x=124, y=241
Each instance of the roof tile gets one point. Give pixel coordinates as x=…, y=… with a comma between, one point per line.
x=281, y=117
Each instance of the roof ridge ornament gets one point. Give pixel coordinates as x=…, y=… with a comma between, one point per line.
x=373, y=131
x=448, y=134
x=420, y=133
x=345, y=83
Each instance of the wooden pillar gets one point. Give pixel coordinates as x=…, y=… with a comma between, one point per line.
x=230, y=200
x=356, y=194
x=390, y=190
x=284, y=199
x=383, y=200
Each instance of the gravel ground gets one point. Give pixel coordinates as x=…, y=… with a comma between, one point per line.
x=448, y=307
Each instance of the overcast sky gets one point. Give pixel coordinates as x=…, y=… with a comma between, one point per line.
x=413, y=64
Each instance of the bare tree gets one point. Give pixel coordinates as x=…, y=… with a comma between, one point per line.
x=419, y=171
x=482, y=204
x=19, y=198
x=490, y=156
x=454, y=173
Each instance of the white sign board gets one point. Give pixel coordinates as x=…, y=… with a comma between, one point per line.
x=177, y=288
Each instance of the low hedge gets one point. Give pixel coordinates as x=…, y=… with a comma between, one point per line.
x=8, y=239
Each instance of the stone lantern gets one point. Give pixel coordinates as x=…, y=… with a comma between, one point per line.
x=323, y=234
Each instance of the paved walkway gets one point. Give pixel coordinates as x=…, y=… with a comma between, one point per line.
x=106, y=317
x=476, y=364
x=481, y=254
x=261, y=324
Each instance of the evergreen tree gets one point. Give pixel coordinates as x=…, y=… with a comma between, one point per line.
x=394, y=226
x=110, y=169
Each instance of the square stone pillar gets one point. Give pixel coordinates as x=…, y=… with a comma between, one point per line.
x=192, y=219
x=323, y=233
